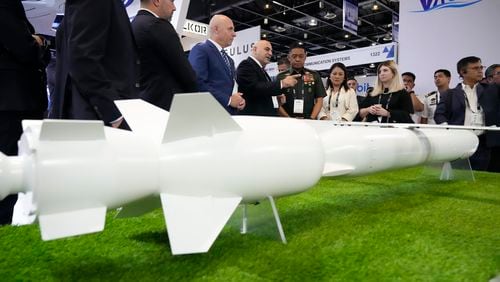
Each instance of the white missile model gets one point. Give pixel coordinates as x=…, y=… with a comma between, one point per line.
x=200, y=161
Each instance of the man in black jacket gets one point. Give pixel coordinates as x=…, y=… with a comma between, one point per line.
x=165, y=69
x=96, y=62
x=23, y=95
x=255, y=83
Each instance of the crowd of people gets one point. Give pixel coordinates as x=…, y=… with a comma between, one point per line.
x=103, y=57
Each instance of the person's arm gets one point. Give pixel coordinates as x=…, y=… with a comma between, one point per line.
x=17, y=39
x=351, y=105
x=323, y=113
x=282, y=112
x=168, y=47
x=199, y=59
x=251, y=86
x=87, y=47
x=317, y=107
x=442, y=113
x=418, y=106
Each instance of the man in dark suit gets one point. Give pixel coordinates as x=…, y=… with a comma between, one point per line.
x=23, y=57
x=97, y=62
x=257, y=86
x=214, y=68
x=474, y=104
x=165, y=69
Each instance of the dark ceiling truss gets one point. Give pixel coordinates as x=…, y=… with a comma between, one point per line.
x=289, y=21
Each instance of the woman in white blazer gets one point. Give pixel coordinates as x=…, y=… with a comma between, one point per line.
x=340, y=104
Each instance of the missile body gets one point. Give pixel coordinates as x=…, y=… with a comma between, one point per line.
x=198, y=164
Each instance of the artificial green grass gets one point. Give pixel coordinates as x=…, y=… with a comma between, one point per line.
x=402, y=225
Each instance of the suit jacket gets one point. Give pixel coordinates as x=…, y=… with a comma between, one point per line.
x=257, y=89
x=212, y=73
x=22, y=62
x=96, y=61
x=164, y=67
x=451, y=108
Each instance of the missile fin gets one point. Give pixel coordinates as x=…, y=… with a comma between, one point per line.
x=144, y=119
x=204, y=115
x=72, y=223
x=332, y=169
x=139, y=207
x=71, y=130
x=193, y=223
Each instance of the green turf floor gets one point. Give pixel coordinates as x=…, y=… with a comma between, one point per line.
x=402, y=225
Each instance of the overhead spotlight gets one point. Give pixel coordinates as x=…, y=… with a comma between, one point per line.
x=266, y=20
x=267, y=6
x=301, y=43
x=374, y=43
x=264, y=35
x=346, y=35
x=312, y=22
x=359, y=22
x=375, y=7
x=372, y=65
x=387, y=37
x=284, y=12
x=329, y=16
x=305, y=35
x=339, y=45
x=321, y=4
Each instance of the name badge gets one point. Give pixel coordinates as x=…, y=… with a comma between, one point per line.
x=477, y=119
x=298, y=106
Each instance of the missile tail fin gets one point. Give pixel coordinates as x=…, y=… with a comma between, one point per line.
x=72, y=223
x=144, y=119
x=204, y=115
x=70, y=130
x=193, y=223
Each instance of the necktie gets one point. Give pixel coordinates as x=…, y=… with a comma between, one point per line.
x=226, y=60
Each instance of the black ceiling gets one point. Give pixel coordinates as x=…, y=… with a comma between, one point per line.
x=288, y=22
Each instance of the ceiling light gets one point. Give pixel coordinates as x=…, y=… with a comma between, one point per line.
x=264, y=35
x=346, y=36
x=374, y=43
x=375, y=7
x=278, y=28
x=267, y=6
x=359, y=22
x=372, y=65
x=321, y=4
x=312, y=22
x=301, y=43
x=329, y=16
x=305, y=35
x=387, y=37
x=266, y=20
x=339, y=45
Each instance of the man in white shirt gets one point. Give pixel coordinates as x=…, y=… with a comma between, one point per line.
x=418, y=106
x=442, y=78
x=464, y=104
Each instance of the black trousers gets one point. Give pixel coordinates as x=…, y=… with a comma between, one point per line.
x=481, y=158
x=10, y=132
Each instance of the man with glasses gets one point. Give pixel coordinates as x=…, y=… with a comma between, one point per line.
x=473, y=104
x=305, y=99
x=493, y=74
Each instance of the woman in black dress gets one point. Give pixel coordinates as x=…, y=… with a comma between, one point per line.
x=388, y=102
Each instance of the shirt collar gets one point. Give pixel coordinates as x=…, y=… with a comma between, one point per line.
x=147, y=10
x=466, y=87
x=217, y=45
x=258, y=63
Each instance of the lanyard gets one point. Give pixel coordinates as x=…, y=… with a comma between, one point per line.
x=388, y=100
x=336, y=100
x=468, y=103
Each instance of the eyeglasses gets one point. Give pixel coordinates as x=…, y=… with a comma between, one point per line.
x=477, y=68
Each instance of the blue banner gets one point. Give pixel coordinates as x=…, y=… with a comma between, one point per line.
x=350, y=16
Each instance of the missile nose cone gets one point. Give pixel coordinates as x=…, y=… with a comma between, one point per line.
x=11, y=175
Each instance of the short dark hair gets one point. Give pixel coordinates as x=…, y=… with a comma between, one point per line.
x=464, y=62
x=446, y=72
x=352, y=78
x=296, y=45
x=490, y=71
x=283, y=60
x=410, y=74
